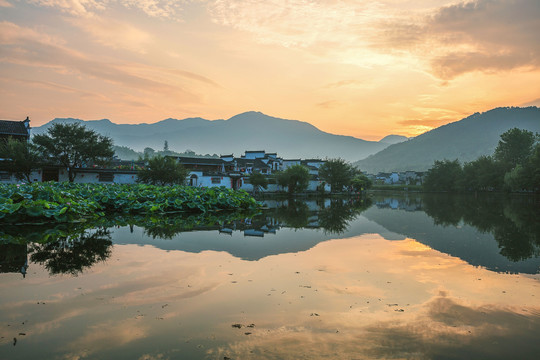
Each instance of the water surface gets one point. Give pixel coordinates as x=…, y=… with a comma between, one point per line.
x=416, y=277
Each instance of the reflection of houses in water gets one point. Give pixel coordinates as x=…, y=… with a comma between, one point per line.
x=13, y=258
x=406, y=204
x=252, y=227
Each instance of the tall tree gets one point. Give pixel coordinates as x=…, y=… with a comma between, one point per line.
x=74, y=146
x=295, y=178
x=20, y=158
x=445, y=175
x=361, y=182
x=338, y=173
x=258, y=180
x=148, y=152
x=515, y=147
x=162, y=170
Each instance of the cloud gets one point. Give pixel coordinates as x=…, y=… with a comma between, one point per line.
x=5, y=3
x=57, y=87
x=329, y=104
x=115, y=34
x=295, y=23
x=27, y=47
x=168, y=9
x=449, y=327
x=482, y=35
x=73, y=7
x=432, y=123
x=535, y=102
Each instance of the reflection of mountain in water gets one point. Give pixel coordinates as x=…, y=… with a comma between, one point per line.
x=288, y=226
x=499, y=233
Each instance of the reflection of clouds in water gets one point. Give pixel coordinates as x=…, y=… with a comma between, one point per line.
x=453, y=330
x=443, y=328
x=338, y=300
x=106, y=335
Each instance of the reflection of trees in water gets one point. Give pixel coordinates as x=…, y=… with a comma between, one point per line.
x=73, y=253
x=167, y=227
x=513, y=221
x=335, y=219
x=294, y=214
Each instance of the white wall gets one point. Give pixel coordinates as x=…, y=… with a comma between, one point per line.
x=206, y=181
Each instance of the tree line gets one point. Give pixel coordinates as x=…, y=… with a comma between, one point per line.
x=514, y=166
x=73, y=147
x=338, y=173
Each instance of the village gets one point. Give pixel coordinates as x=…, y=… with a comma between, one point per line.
x=226, y=171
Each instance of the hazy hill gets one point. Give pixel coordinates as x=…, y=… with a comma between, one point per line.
x=247, y=131
x=393, y=139
x=465, y=140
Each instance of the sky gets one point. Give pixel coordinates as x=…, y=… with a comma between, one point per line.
x=360, y=68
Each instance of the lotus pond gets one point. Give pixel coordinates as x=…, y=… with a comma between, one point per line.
x=384, y=277
x=64, y=202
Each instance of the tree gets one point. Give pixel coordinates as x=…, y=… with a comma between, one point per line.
x=74, y=146
x=166, y=146
x=483, y=173
x=338, y=173
x=361, y=182
x=445, y=175
x=163, y=171
x=258, y=180
x=515, y=147
x=296, y=178
x=20, y=158
x=148, y=152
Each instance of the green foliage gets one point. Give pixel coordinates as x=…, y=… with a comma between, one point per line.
x=295, y=178
x=258, y=180
x=125, y=153
x=513, y=221
x=444, y=176
x=21, y=158
x=483, y=173
x=338, y=173
x=515, y=166
x=361, y=182
x=515, y=147
x=163, y=171
x=72, y=146
x=64, y=202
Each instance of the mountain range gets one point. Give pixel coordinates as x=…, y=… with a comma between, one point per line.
x=464, y=140
x=246, y=131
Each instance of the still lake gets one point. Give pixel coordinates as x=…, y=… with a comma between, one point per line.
x=384, y=277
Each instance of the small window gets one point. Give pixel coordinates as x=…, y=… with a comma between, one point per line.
x=4, y=175
x=216, y=180
x=106, y=177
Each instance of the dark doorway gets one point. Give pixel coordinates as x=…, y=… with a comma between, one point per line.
x=50, y=174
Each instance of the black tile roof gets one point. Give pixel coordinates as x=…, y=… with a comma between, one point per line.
x=199, y=161
x=9, y=127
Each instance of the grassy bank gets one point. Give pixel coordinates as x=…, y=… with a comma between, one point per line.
x=413, y=188
x=64, y=202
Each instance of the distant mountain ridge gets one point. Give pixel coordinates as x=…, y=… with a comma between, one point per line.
x=464, y=140
x=246, y=131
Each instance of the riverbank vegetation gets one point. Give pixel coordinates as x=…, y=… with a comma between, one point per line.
x=63, y=202
x=514, y=166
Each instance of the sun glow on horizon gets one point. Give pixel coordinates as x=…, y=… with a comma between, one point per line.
x=364, y=69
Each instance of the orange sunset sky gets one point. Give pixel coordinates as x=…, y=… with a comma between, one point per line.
x=360, y=68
